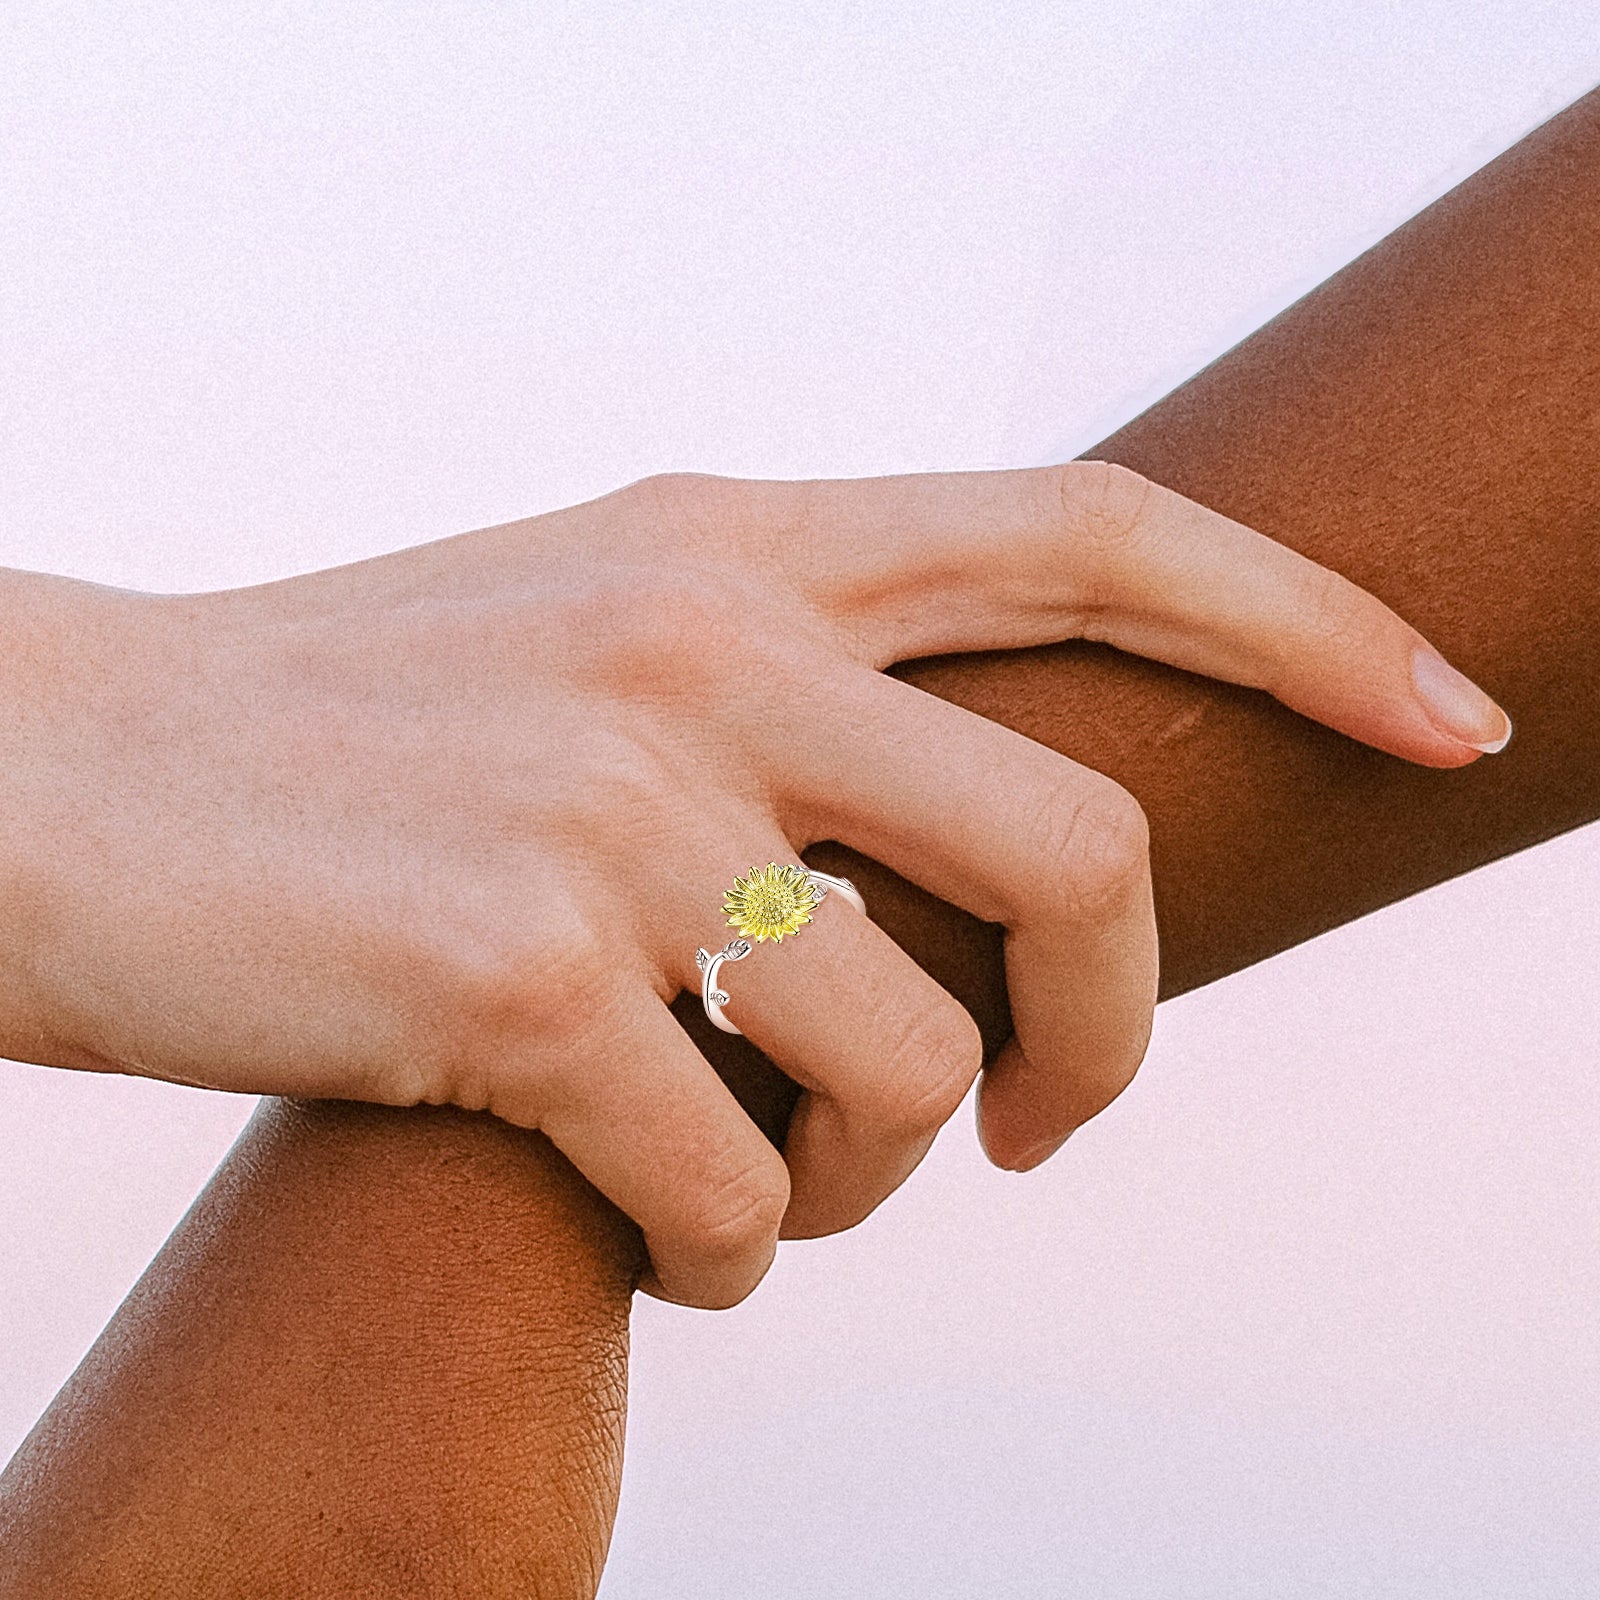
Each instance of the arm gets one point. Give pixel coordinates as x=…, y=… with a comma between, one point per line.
x=247, y=1425
x=1425, y=423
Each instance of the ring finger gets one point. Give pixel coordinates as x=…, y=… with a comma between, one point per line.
x=883, y=1053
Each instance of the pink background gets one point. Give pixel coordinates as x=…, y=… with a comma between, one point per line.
x=1311, y=1310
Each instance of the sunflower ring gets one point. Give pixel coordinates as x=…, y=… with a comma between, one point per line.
x=766, y=903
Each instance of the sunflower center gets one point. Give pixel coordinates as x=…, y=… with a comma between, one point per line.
x=770, y=902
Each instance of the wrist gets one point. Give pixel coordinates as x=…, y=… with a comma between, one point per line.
x=63, y=664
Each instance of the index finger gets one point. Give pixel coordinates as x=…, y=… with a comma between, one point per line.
x=929, y=563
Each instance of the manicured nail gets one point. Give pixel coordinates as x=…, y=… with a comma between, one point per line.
x=1037, y=1155
x=1457, y=705
x=983, y=1143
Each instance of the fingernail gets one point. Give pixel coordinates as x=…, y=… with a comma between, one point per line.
x=983, y=1143
x=1036, y=1155
x=1033, y=1156
x=1457, y=705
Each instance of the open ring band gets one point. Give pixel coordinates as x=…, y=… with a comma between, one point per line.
x=766, y=904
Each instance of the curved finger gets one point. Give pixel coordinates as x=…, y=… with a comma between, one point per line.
x=1015, y=833
x=926, y=563
x=628, y=1098
x=883, y=1052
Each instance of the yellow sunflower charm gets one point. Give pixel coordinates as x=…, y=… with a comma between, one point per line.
x=772, y=901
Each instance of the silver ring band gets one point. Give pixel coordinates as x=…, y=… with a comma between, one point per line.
x=714, y=998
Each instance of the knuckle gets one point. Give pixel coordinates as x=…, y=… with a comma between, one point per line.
x=1096, y=839
x=734, y=1217
x=693, y=504
x=642, y=630
x=669, y=494
x=514, y=993
x=928, y=1069
x=1332, y=610
x=617, y=789
x=680, y=637
x=680, y=626
x=517, y=1011
x=1099, y=504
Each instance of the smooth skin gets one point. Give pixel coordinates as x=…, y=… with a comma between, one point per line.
x=432, y=827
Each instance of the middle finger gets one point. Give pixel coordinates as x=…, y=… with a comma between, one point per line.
x=883, y=1052
x=1016, y=833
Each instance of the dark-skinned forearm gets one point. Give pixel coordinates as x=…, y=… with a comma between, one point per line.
x=384, y=1354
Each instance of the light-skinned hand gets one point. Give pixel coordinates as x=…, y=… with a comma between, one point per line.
x=447, y=825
